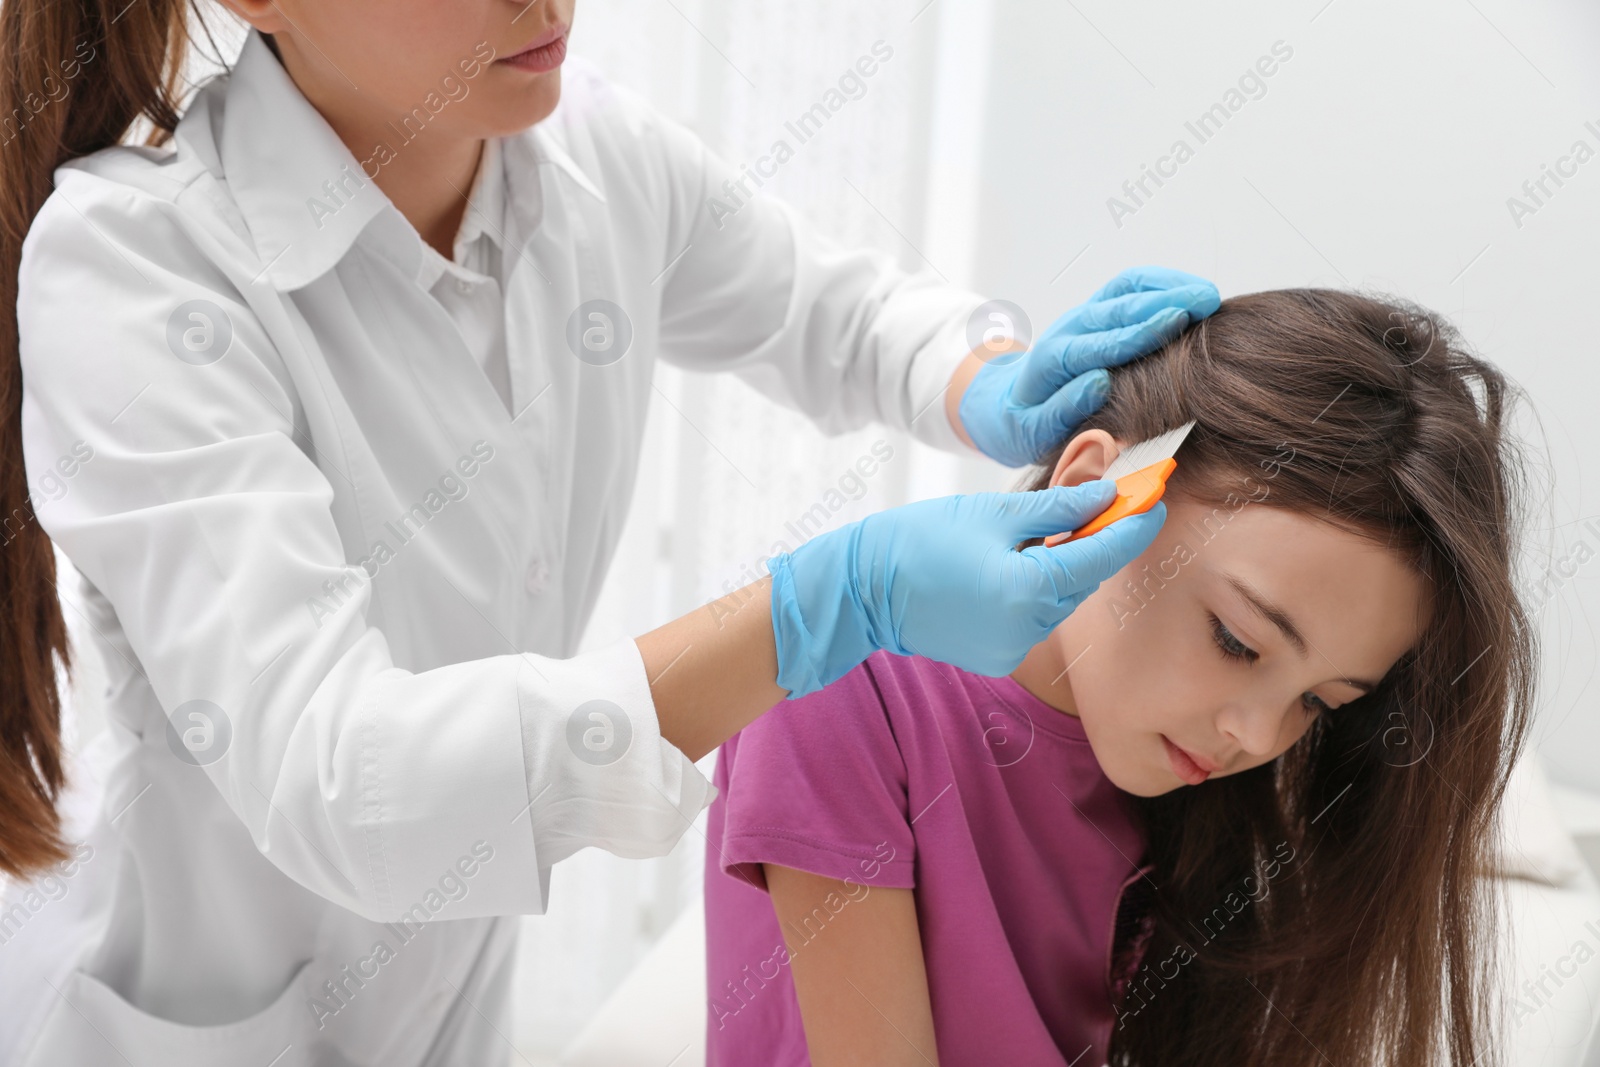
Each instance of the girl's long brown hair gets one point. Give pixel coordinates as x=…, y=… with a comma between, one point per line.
x=74, y=75
x=1368, y=843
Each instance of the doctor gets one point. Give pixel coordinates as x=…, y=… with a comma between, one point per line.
x=336, y=400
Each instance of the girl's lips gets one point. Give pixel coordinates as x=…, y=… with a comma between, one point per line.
x=1183, y=765
x=545, y=53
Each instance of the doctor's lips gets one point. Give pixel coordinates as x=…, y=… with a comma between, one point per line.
x=544, y=53
x=1190, y=768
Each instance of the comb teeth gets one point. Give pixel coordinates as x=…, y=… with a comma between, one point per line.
x=1143, y=453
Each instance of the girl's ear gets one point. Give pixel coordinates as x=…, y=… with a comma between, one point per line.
x=1085, y=458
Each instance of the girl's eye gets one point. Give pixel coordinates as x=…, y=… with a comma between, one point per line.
x=1314, y=705
x=1230, y=645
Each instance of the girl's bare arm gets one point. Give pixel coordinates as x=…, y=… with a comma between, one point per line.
x=856, y=955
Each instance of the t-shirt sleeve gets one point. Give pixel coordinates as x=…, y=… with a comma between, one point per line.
x=819, y=784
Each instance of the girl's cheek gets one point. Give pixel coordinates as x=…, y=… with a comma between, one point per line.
x=1295, y=726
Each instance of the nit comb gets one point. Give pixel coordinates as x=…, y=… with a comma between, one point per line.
x=1140, y=471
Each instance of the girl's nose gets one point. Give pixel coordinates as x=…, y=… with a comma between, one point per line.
x=1254, y=725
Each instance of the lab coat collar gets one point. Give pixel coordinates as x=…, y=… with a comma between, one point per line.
x=485, y=202
x=303, y=194
x=483, y=219
x=307, y=205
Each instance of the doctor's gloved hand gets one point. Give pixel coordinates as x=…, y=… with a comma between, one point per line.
x=942, y=579
x=1022, y=404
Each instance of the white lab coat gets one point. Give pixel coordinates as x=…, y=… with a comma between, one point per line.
x=330, y=567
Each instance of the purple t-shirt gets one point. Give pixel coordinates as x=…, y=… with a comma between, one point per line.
x=986, y=800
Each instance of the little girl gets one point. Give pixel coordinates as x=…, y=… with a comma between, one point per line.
x=1233, y=811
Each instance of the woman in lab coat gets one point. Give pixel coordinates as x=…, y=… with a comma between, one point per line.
x=335, y=400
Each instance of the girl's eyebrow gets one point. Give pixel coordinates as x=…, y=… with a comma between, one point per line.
x=1270, y=611
x=1280, y=618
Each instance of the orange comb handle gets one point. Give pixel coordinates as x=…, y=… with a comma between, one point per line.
x=1136, y=492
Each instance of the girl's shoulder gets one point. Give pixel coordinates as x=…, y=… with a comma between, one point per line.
x=894, y=683
x=889, y=720
x=909, y=703
x=914, y=682
x=862, y=712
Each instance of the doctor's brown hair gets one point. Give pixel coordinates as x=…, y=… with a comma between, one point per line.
x=1332, y=907
x=74, y=75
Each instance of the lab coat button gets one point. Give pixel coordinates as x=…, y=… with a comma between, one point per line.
x=463, y=286
x=538, y=575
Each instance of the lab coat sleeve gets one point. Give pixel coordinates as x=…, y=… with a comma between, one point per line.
x=203, y=515
x=844, y=335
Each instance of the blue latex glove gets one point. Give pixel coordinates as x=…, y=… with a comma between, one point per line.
x=1021, y=405
x=941, y=579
